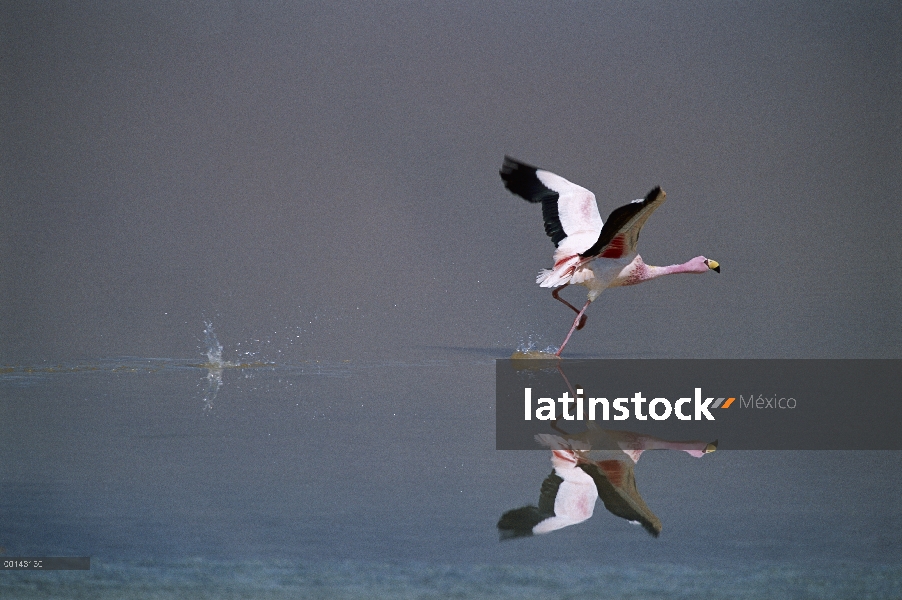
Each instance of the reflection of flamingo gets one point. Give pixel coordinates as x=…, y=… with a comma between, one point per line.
x=574, y=225
x=595, y=464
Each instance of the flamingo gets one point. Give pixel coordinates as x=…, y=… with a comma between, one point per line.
x=589, y=252
x=595, y=464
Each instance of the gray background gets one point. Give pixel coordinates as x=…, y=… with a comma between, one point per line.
x=323, y=178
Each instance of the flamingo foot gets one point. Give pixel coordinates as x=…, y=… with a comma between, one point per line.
x=577, y=323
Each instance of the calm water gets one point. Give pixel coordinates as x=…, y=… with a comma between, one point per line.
x=198, y=578
x=196, y=479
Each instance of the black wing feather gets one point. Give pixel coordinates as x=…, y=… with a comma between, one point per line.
x=624, y=502
x=519, y=522
x=548, y=493
x=520, y=178
x=617, y=220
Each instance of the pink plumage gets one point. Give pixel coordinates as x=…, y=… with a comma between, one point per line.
x=590, y=252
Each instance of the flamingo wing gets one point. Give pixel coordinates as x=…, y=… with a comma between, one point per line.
x=567, y=497
x=548, y=493
x=520, y=522
x=620, y=234
x=569, y=211
x=616, y=484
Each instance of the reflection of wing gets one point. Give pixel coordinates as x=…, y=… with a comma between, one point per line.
x=567, y=497
x=548, y=493
x=616, y=485
x=520, y=522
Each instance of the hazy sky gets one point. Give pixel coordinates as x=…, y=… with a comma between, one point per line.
x=323, y=177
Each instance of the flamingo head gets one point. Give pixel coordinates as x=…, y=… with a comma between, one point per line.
x=700, y=264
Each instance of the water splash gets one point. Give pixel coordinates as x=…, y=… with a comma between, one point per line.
x=530, y=348
x=214, y=365
x=214, y=348
x=214, y=382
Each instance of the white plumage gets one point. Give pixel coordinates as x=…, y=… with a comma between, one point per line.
x=597, y=463
x=588, y=251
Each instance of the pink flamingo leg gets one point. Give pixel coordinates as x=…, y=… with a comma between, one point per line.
x=554, y=294
x=573, y=327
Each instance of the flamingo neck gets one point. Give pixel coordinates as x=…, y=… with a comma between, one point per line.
x=694, y=448
x=634, y=444
x=638, y=271
x=668, y=270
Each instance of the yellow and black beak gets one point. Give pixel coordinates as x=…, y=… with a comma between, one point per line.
x=713, y=265
x=709, y=448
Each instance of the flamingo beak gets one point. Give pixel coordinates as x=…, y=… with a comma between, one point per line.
x=713, y=265
x=709, y=448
